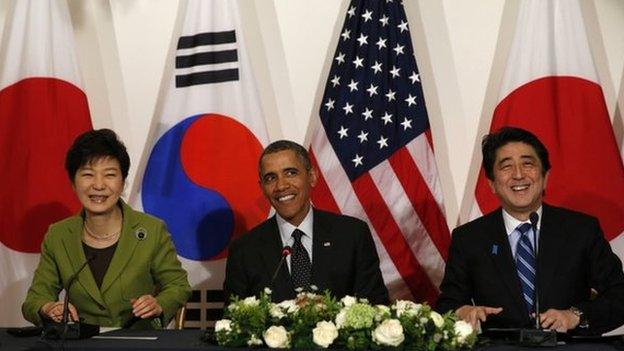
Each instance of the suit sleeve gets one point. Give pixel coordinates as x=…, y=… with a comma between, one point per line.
x=455, y=290
x=235, y=283
x=368, y=281
x=170, y=276
x=606, y=311
x=45, y=285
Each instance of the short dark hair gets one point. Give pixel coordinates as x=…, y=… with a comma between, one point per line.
x=505, y=135
x=282, y=145
x=93, y=145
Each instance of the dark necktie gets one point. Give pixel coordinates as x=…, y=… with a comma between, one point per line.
x=300, y=266
x=525, y=264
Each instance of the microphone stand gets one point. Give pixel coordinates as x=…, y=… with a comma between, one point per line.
x=537, y=336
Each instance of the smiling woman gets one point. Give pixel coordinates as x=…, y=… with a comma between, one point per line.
x=116, y=240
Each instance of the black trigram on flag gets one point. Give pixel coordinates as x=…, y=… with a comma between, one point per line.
x=206, y=58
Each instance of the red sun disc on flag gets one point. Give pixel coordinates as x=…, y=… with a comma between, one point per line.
x=39, y=119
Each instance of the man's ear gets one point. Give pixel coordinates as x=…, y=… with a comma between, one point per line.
x=313, y=177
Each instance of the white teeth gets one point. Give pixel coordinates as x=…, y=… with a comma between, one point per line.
x=519, y=187
x=98, y=198
x=286, y=197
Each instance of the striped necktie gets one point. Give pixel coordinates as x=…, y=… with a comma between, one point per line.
x=525, y=264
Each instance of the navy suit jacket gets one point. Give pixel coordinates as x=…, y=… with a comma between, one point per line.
x=344, y=260
x=573, y=259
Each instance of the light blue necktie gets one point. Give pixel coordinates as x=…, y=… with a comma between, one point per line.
x=525, y=264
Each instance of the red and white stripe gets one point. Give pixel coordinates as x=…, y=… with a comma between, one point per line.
x=402, y=202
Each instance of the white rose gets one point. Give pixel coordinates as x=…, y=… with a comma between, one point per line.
x=267, y=291
x=437, y=319
x=383, y=311
x=405, y=306
x=324, y=334
x=276, y=337
x=348, y=300
x=276, y=311
x=289, y=305
x=251, y=301
x=223, y=325
x=341, y=318
x=254, y=340
x=463, y=330
x=389, y=333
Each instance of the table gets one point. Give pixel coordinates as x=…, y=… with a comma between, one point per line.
x=190, y=340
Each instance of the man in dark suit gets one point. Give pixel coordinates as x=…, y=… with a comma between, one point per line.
x=328, y=251
x=491, y=272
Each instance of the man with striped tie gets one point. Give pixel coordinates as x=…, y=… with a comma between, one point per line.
x=494, y=275
x=330, y=251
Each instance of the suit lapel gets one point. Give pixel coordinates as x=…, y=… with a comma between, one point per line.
x=125, y=248
x=73, y=248
x=321, y=252
x=551, y=237
x=504, y=260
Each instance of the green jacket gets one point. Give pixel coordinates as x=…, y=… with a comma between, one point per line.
x=138, y=267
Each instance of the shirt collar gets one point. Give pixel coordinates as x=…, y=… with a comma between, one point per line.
x=511, y=223
x=286, y=229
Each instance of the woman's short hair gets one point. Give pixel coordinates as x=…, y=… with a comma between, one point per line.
x=93, y=145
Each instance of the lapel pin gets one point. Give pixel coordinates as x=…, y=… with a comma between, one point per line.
x=140, y=233
x=494, y=249
x=326, y=244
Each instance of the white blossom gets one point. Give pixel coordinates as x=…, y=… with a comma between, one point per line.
x=276, y=337
x=437, y=319
x=324, y=334
x=389, y=333
x=223, y=325
x=463, y=330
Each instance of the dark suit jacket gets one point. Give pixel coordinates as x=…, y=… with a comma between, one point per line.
x=344, y=260
x=573, y=258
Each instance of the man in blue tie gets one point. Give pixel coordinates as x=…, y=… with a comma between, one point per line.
x=495, y=275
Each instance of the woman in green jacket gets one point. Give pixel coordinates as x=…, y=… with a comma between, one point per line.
x=133, y=276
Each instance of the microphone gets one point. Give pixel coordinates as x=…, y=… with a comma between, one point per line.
x=534, y=218
x=286, y=251
x=70, y=282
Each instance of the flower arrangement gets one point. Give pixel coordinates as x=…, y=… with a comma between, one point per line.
x=318, y=321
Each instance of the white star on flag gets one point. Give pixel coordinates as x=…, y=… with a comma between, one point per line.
x=358, y=62
x=376, y=67
x=368, y=114
x=363, y=136
x=363, y=39
x=340, y=58
x=343, y=132
x=383, y=142
x=357, y=160
x=330, y=104
x=372, y=90
x=335, y=81
x=368, y=15
x=398, y=49
x=387, y=118
x=411, y=100
x=395, y=72
x=348, y=108
x=353, y=85
x=407, y=123
x=390, y=95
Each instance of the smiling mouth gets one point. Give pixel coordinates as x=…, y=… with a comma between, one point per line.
x=285, y=198
x=520, y=187
x=98, y=198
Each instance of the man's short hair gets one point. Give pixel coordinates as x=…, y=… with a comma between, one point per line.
x=505, y=135
x=282, y=145
x=94, y=145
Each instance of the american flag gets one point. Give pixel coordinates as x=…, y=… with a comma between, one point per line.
x=373, y=149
